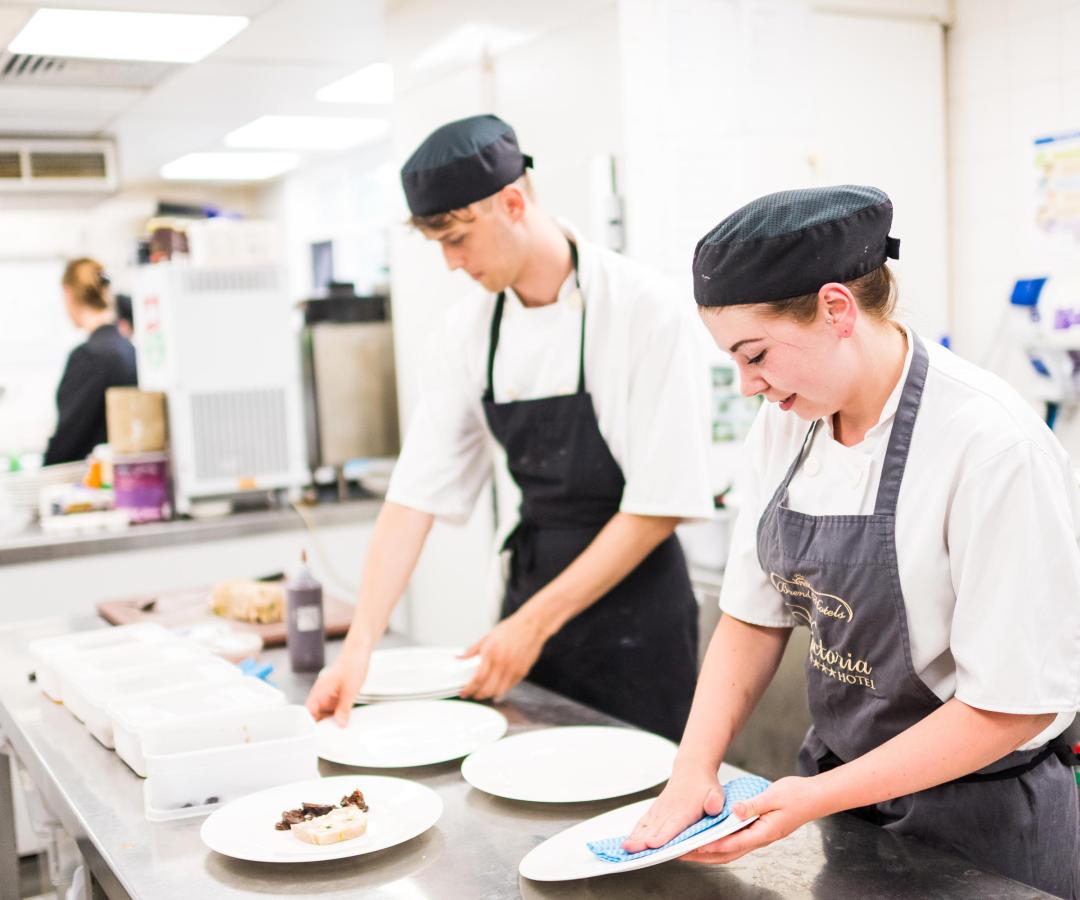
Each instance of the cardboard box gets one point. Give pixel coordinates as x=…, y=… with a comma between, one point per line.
x=135, y=420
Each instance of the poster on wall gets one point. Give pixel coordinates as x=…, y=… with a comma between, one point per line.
x=1057, y=161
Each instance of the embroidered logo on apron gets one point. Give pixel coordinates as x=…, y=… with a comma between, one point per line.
x=842, y=666
x=798, y=588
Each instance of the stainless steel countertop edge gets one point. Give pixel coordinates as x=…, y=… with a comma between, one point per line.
x=40, y=547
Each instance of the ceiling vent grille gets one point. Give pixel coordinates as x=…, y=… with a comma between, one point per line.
x=61, y=71
x=45, y=165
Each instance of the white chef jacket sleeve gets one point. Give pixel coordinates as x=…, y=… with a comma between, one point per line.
x=1015, y=563
x=446, y=458
x=746, y=592
x=666, y=467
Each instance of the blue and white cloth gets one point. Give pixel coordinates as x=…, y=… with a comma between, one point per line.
x=735, y=791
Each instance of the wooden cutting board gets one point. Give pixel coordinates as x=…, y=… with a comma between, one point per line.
x=192, y=606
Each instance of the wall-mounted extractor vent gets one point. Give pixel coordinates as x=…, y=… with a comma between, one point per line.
x=44, y=164
x=61, y=71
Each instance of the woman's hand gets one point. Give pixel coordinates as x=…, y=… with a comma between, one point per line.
x=689, y=795
x=334, y=693
x=507, y=653
x=781, y=808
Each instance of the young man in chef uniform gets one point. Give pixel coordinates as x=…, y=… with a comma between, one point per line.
x=586, y=368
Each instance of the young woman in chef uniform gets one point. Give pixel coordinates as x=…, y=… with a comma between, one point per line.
x=915, y=514
x=583, y=366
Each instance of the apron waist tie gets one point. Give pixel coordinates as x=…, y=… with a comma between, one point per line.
x=1058, y=747
x=521, y=542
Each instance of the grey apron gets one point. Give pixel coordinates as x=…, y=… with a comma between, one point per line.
x=838, y=576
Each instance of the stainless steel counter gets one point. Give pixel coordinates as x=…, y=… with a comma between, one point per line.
x=35, y=545
x=471, y=853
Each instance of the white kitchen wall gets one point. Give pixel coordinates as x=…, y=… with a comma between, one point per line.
x=1013, y=76
x=346, y=199
x=714, y=118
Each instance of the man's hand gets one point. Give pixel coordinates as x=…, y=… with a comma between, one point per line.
x=507, y=653
x=335, y=692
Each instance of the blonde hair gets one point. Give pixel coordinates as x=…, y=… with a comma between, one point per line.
x=875, y=292
x=88, y=283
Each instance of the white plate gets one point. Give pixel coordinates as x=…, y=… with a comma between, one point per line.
x=244, y=829
x=410, y=671
x=409, y=733
x=571, y=765
x=566, y=857
x=447, y=694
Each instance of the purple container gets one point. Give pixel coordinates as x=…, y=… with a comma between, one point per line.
x=141, y=486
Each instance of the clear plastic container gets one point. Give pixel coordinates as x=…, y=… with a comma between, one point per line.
x=49, y=654
x=79, y=672
x=195, y=766
x=132, y=718
x=177, y=666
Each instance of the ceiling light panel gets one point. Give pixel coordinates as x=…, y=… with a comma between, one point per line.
x=105, y=34
x=307, y=133
x=371, y=84
x=228, y=166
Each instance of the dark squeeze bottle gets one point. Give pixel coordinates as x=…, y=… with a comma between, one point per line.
x=303, y=598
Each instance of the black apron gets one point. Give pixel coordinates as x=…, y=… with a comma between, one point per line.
x=633, y=653
x=839, y=576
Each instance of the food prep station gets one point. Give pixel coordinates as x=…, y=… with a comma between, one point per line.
x=473, y=850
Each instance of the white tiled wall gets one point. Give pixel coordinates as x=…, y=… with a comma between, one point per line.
x=1013, y=75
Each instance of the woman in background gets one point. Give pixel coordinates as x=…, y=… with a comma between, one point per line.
x=105, y=360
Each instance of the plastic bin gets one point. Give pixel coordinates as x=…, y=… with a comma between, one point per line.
x=193, y=767
x=132, y=718
x=82, y=673
x=50, y=653
x=207, y=674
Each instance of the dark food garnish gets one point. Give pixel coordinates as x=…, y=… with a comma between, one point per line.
x=309, y=811
x=354, y=799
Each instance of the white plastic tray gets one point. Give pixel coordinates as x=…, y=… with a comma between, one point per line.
x=50, y=653
x=132, y=718
x=80, y=672
x=195, y=766
x=89, y=701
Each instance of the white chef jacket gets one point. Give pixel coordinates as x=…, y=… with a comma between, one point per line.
x=987, y=528
x=644, y=368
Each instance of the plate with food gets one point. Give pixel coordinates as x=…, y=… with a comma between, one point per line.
x=572, y=764
x=409, y=733
x=321, y=819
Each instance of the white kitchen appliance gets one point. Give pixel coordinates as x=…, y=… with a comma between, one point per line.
x=221, y=343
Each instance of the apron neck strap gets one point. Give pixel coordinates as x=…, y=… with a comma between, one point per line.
x=781, y=491
x=581, y=296
x=496, y=323
x=892, y=470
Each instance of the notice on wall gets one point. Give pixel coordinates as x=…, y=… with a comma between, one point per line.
x=1057, y=162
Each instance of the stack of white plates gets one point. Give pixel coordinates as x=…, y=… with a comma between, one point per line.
x=416, y=673
x=23, y=488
